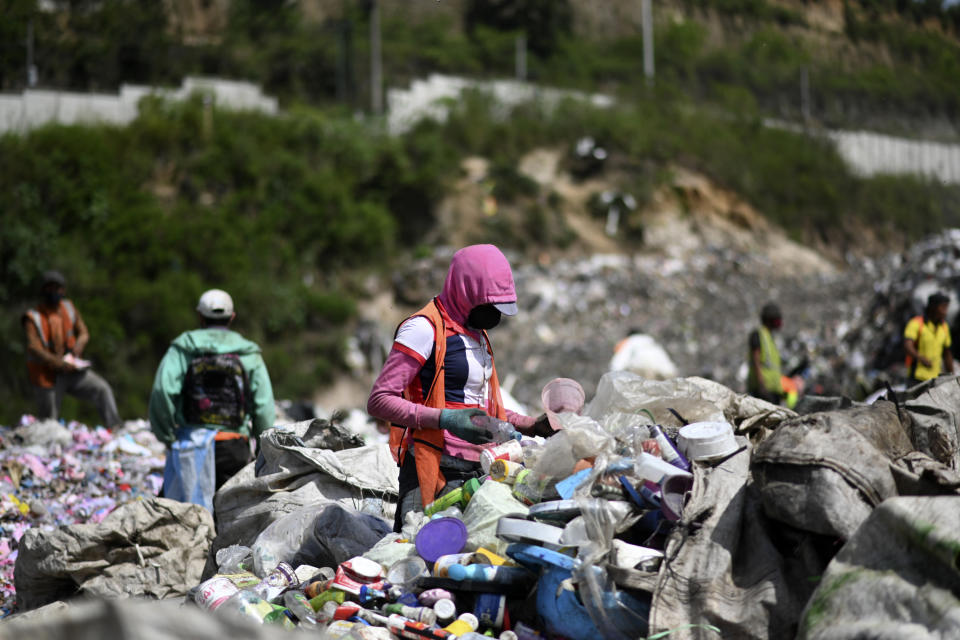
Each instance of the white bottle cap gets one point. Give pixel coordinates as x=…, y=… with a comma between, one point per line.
x=445, y=609
x=470, y=619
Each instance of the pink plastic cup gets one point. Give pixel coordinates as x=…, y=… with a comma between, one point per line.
x=561, y=395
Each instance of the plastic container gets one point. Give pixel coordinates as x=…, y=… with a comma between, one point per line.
x=505, y=471
x=441, y=568
x=447, y=500
x=470, y=487
x=667, y=451
x=214, y=592
x=531, y=487
x=445, y=609
x=500, y=430
x=276, y=582
x=654, y=469
x=511, y=450
x=490, y=609
x=300, y=606
x=561, y=395
x=420, y=614
x=466, y=623
x=518, y=530
x=433, y=596
x=450, y=512
x=405, y=572
x=441, y=537
x=705, y=441
x=488, y=573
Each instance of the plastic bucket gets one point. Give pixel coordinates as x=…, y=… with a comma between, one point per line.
x=561, y=395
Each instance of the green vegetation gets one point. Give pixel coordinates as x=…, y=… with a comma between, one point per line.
x=290, y=213
x=894, y=64
x=143, y=219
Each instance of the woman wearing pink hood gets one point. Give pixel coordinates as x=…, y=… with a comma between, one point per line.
x=440, y=374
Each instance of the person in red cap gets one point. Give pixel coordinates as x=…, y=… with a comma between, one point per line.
x=56, y=338
x=440, y=374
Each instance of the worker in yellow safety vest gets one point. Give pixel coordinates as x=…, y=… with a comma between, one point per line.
x=765, y=380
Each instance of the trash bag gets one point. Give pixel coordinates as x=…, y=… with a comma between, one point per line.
x=134, y=619
x=154, y=548
x=727, y=565
x=189, y=474
x=825, y=472
x=290, y=474
x=933, y=408
x=896, y=577
x=320, y=535
x=695, y=399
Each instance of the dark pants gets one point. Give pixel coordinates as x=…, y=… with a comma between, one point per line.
x=85, y=385
x=230, y=456
x=456, y=471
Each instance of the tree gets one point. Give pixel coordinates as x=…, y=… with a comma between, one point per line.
x=544, y=21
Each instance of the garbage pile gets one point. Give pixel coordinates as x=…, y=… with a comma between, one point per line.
x=54, y=474
x=562, y=536
x=660, y=507
x=874, y=341
x=699, y=309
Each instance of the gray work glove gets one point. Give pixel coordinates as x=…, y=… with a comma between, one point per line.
x=457, y=422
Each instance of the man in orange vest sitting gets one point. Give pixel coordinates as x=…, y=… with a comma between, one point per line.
x=927, y=341
x=56, y=338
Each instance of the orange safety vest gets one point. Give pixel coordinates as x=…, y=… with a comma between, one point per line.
x=428, y=455
x=41, y=374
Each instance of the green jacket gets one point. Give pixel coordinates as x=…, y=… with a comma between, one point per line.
x=166, y=410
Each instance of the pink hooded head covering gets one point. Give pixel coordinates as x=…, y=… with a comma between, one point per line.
x=479, y=274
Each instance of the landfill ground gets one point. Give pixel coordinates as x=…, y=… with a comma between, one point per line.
x=598, y=531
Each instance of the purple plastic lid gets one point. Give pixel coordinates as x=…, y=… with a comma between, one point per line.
x=441, y=537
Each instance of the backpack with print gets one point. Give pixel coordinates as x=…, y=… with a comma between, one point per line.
x=215, y=389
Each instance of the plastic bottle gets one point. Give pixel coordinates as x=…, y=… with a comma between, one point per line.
x=372, y=596
x=276, y=582
x=442, y=565
x=330, y=595
x=525, y=633
x=445, y=610
x=470, y=487
x=449, y=512
x=653, y=469
x=315, y=587
x=432, y=596
x=280, y=616
x=419, y=614
x=500, y=430
x=327, y=611
x=415, y=630
x=531, y=487
x=214, y=592
x=667, y=450
x=300, y=606
x=466, y=623
x=505, y=471
x=443, y=502
x=247, y=604
x=510, y=450
x=488, y=573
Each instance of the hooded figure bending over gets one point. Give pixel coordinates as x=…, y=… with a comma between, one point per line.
x=440, y=373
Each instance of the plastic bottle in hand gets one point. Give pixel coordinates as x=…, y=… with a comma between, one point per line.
x=500, y=430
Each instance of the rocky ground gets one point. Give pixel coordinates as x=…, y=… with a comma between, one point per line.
x=707, y=264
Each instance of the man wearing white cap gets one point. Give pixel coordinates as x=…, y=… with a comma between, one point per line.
x=212, y=381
